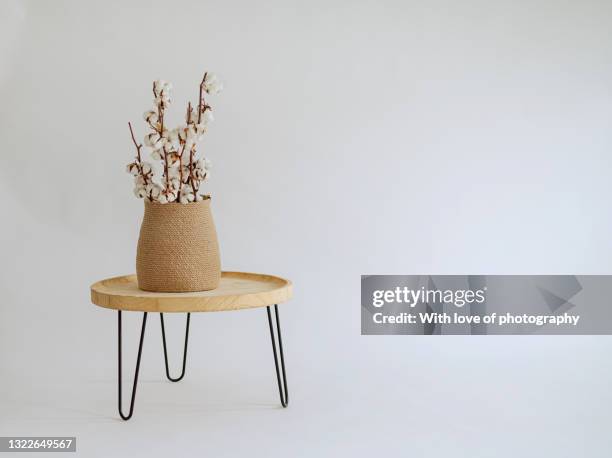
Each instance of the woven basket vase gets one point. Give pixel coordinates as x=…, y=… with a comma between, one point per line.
x=178, y=249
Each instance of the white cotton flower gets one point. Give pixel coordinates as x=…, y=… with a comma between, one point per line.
x=185, y=173
x=162, y=86
x=174, y=172
x=175, y=184
x=207, y=116
x=185, y=156
x=187, y=194
x=162, y=199
x=152, y=140
x=173, y=135
x=153, y=190
x=211, y=84
x=156, y=155
x=200, y=129
x=146, y=168
x=199, y=173
x=192, y=131
x=140, y=191
x=173, y=160
x=150, y=116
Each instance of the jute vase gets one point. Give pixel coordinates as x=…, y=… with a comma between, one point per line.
x=178, y=249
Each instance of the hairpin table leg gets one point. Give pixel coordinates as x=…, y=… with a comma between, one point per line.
x=142, y=332
x=284, y=397
x=161, y=317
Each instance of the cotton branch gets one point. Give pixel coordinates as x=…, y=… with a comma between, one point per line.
x=169, y=146
x=137, y=153
x=201, y=99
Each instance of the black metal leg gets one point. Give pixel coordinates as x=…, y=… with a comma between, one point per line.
x=161, y=317
x=284, y=397
x=142, y=332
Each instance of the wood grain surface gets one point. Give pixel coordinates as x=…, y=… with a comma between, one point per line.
x=237, y=290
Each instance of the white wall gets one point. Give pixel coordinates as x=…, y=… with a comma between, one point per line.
x=352, y=137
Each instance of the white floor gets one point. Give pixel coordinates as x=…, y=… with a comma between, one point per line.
x=364, y=396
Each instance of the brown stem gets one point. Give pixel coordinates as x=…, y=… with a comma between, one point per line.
x=201, y=99
x=188, y=112
x=191, y=180
x=166, y=169
x=181, y=170
x=139, y=163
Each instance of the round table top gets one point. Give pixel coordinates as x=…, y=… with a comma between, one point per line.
x=237, y=290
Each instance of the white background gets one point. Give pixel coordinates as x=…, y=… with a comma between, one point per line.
x=352, y=138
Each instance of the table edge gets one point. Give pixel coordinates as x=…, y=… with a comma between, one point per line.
x=188, y=304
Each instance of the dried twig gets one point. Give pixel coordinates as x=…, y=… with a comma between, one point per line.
x=139, y=163
x=201, y=99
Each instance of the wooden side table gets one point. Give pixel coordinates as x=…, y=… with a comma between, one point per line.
x=237, y=290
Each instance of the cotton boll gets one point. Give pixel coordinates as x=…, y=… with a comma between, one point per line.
x=156, y=155
x=174, y=172
x=215, y=88
x=200, y=174
x=153, y=190
x=146, y=168
x=161, y=85
x=173, y=135
x=207, y=116
x=212, y=85
x=140, y=192
x=192, y=131
x=187, y=194
x=200, y=129
x=162, y=199
x=152, y=139
x=150, y=116
x=174, y=184
x=185, y=155
x=210, y=79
